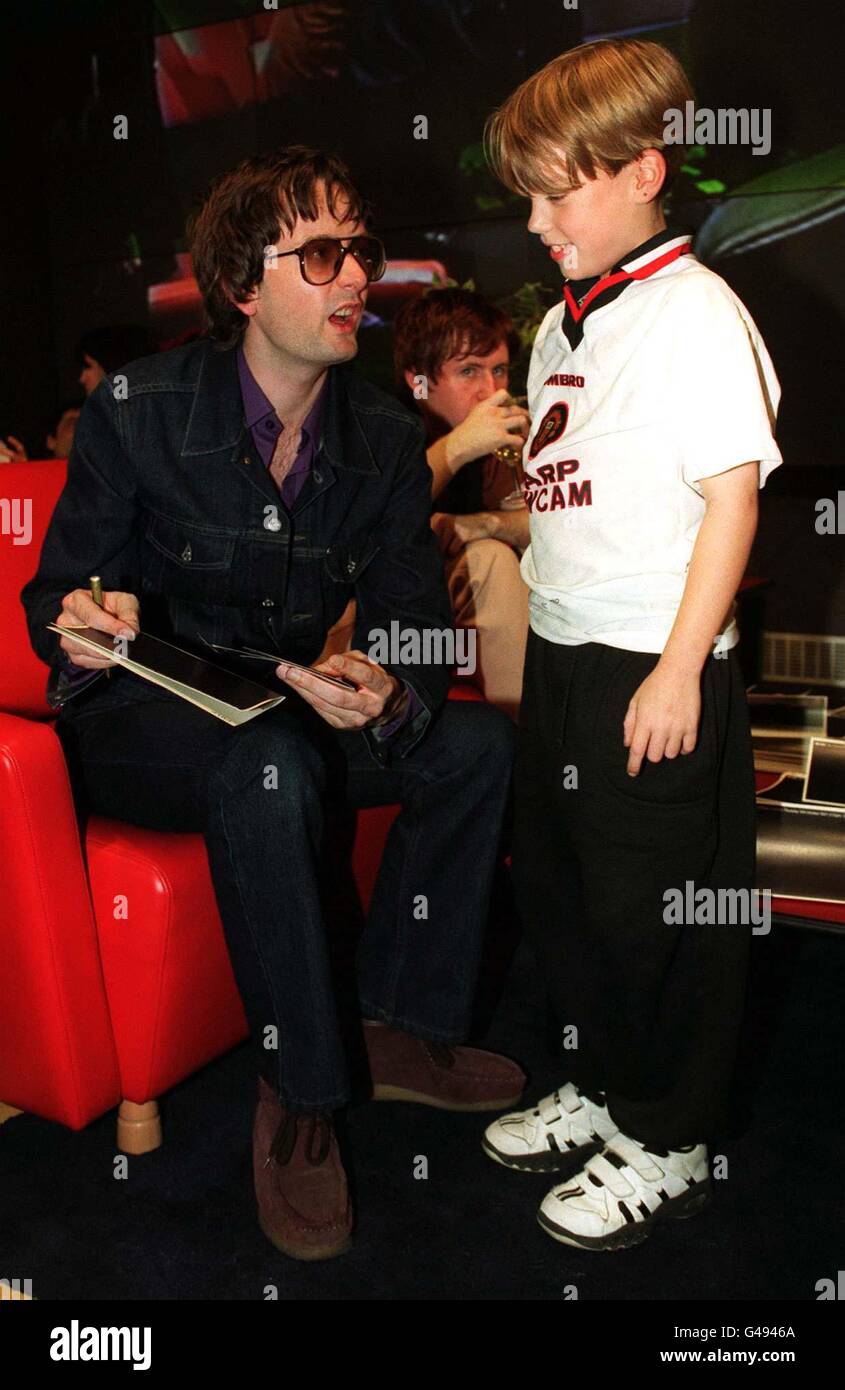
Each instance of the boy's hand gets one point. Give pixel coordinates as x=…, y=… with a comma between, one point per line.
x=662, y=718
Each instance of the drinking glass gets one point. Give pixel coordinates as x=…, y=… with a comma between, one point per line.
x=511, y=454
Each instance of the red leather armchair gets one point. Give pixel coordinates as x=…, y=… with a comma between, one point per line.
x=99, y=1010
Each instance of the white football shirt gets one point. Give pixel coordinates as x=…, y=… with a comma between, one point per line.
x=670, y=383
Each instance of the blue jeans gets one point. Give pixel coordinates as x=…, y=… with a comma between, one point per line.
x=270, y=799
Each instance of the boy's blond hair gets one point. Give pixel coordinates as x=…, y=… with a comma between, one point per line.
x=596, y=107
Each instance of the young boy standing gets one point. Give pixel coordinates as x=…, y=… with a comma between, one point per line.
x=653, y=400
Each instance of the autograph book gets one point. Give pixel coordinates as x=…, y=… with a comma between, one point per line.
x=228, y=696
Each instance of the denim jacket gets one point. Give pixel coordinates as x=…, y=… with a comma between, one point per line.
x=167, y=499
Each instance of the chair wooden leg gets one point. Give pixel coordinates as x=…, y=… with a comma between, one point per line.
x=138, y=1126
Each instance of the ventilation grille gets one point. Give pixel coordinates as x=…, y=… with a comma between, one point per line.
x=801, y=657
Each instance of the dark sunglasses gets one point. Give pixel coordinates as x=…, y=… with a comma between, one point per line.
x=321, y=258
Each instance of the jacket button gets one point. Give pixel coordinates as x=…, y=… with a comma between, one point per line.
x=267, y=603
x=246, y=459
x=350, y=567
x=187, y=552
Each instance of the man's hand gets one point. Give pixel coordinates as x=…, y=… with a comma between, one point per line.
x=489, y=426
x=376, y=696
x=120, y=615
x=662, y=718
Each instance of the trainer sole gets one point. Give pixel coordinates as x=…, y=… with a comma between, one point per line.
x=677, y=1209
x=382, y=1091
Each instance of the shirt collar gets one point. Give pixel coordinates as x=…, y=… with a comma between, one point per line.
x=581, y=297
x=644, y=256
x=257, y=406
x=630, y=261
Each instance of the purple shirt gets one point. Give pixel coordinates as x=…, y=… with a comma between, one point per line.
x=265, y=427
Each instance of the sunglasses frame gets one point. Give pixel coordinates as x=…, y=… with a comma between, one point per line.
x=346, y=249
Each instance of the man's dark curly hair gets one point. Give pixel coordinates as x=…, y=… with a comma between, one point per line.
x=245, y=210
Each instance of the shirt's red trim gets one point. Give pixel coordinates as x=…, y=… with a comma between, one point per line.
x=577, y=311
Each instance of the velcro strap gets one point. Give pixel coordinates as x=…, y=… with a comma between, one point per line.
x=570, y=1099
x=549, y=1110
x=563, y=1102
x=633, y=1155
x=609, y=1176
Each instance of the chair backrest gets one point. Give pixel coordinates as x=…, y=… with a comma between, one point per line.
x=28, y=493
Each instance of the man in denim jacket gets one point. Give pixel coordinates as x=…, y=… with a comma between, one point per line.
x=240, y=490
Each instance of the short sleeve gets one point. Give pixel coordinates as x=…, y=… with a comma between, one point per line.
x=722, y=384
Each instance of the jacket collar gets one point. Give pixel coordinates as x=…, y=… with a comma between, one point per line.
x=217, y=422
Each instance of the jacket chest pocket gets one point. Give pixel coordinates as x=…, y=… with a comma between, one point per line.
x=189, y=562
x=346, y=562
x=342, y=568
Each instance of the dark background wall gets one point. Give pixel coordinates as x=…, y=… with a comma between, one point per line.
x=89, y=225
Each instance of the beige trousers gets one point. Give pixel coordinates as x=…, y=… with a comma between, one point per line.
x=488, y=593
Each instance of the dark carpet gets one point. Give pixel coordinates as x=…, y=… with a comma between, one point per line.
x=182, y=1225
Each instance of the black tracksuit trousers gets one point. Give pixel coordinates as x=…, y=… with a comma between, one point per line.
x=656, y=1006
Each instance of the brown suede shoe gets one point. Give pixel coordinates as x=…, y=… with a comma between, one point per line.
x=449, y=1078
x=300, y=1183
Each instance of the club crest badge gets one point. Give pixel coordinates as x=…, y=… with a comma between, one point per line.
x=551, y=428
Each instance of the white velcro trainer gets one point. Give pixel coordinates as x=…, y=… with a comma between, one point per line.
x=621, y=1192
x=541, y=1140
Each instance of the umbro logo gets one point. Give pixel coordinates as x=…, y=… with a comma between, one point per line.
x=563, y=379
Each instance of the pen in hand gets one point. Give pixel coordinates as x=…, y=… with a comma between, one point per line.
x=97, y=595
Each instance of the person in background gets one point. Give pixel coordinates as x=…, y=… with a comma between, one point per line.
x=452, y=351
x=62, y=428
x=59, y=436
x=102, y=351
